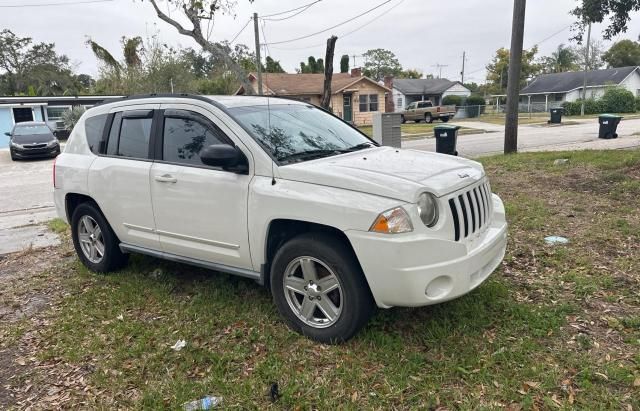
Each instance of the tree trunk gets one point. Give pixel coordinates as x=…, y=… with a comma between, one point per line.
x=328, y=73
x=209, y=46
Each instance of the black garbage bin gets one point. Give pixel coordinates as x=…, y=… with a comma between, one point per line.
x=608, y=125
x=556, y=116
x=446, y=139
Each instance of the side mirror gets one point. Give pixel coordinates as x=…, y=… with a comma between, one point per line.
x=55, y=133
x=7, y=133
x=225, y=156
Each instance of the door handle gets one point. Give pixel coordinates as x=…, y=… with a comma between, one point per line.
x=166, y=178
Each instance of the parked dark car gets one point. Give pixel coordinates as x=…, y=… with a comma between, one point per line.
x=32, y=139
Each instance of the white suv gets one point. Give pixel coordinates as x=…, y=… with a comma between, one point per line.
x=284, y=193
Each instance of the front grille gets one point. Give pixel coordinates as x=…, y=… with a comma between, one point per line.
x=471, y=211
x=32, y=146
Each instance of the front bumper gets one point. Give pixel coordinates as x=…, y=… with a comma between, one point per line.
x=35, y=152
x=416, y=270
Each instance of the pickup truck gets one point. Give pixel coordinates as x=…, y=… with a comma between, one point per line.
x=283, y=193
x=425, y=110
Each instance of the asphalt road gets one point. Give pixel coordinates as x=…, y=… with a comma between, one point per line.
x=26, y=186
x=540, y=138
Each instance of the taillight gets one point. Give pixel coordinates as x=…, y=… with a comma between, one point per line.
x=54, y=173
x=438, y=109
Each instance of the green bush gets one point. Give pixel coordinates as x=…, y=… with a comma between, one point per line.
x=591, y=106
x=619, y=100
x=452, y=101
x=475, y=106
x=638, y=103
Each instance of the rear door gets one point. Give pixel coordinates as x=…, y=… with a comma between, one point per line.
x=200, y=211
x=119, y=177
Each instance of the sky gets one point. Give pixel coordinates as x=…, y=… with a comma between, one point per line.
x=422, y=33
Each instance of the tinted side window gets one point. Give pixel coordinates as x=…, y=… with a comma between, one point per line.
x=93, y=128
x=134, y=137
x=186, y=134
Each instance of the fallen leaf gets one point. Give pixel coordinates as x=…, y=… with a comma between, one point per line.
x=636, y=382
x=532, y=384
x=354, y=396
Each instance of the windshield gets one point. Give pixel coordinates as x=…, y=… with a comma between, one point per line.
x=297, y=132
x=30, y=130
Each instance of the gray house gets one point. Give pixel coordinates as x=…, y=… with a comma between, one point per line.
x=406, y=91
x=554, y=89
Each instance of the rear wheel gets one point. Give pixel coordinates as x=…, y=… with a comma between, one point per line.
x=428, y=118
x=319, y=288
x=95, y=242
x=444, y=119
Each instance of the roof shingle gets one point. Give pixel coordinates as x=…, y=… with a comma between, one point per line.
x=289, y=84
x=565, y=82
x=422, y=86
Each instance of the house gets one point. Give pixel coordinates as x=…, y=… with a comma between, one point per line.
x=354, y=97
x=50, y=109
x=406, y=91
x=554, y=89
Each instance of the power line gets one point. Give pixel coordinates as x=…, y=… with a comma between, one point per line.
x=291, y=16
x=241, y=30
x=53, y=4
x=306, y=6
x=552, y=36
x=333, y=27
x=265, y=44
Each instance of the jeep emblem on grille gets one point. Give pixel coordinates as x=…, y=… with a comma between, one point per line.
x=463, y=175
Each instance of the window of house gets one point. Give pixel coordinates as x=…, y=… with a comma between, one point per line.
x=368, y=102
x=400, y=102
x=186, y=134
x=55, y=113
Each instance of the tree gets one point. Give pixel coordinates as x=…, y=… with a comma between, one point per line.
x=344, y=63
x=380, y=63
x=596, y=50
x=312, y=66
x=622, y=54
x=273, y=66
x=30, y=68
x=498, y=69
x=195, y=11
x=473, y=87
x=596, y=11
x=562, y=60
x=410, y=73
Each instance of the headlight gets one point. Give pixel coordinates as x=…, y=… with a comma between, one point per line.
x=428, y=209
x=14, y=144
x=52, y=143
x=394, y=221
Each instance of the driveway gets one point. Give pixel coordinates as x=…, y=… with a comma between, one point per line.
x=581, y=136
x=25, y=203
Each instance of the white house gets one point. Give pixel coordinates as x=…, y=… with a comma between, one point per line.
x=406, y=91
x=554, y=89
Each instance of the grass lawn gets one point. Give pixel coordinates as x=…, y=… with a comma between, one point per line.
x=554, y=327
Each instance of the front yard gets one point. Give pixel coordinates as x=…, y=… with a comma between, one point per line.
x=412, y=130
x=556, y=327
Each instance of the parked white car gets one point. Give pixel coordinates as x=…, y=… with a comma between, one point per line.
x=284, y=193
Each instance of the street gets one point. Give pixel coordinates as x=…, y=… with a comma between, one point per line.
x=25, y=186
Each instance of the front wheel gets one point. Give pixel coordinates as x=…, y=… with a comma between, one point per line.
x=95, y=242
x=319, y=288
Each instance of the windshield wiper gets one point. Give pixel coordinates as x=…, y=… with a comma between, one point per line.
x=309, y=155
x=358, y=147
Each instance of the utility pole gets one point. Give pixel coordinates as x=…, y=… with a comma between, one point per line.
x=586, y=68
x=258, y=60
x=439, y=67
x=328, y=72
x=464, y=58
x=513, y=82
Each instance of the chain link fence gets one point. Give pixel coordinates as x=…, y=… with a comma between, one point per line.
x=497, y=110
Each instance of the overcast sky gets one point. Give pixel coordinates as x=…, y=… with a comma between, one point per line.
x=422, y=33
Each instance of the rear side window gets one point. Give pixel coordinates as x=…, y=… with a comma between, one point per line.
x=186, y=134
x=93, y=128
x=130, y=134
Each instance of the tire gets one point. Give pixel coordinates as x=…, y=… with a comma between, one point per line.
x=444, y=119
x=13, y=157
x=402, y=119
x=87, y=216
x=333, y=264
x=428, y=118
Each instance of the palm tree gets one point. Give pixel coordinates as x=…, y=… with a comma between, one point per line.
x=561, y=60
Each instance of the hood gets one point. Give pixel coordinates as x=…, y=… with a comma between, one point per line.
x=33, y=138
x=388, y=172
